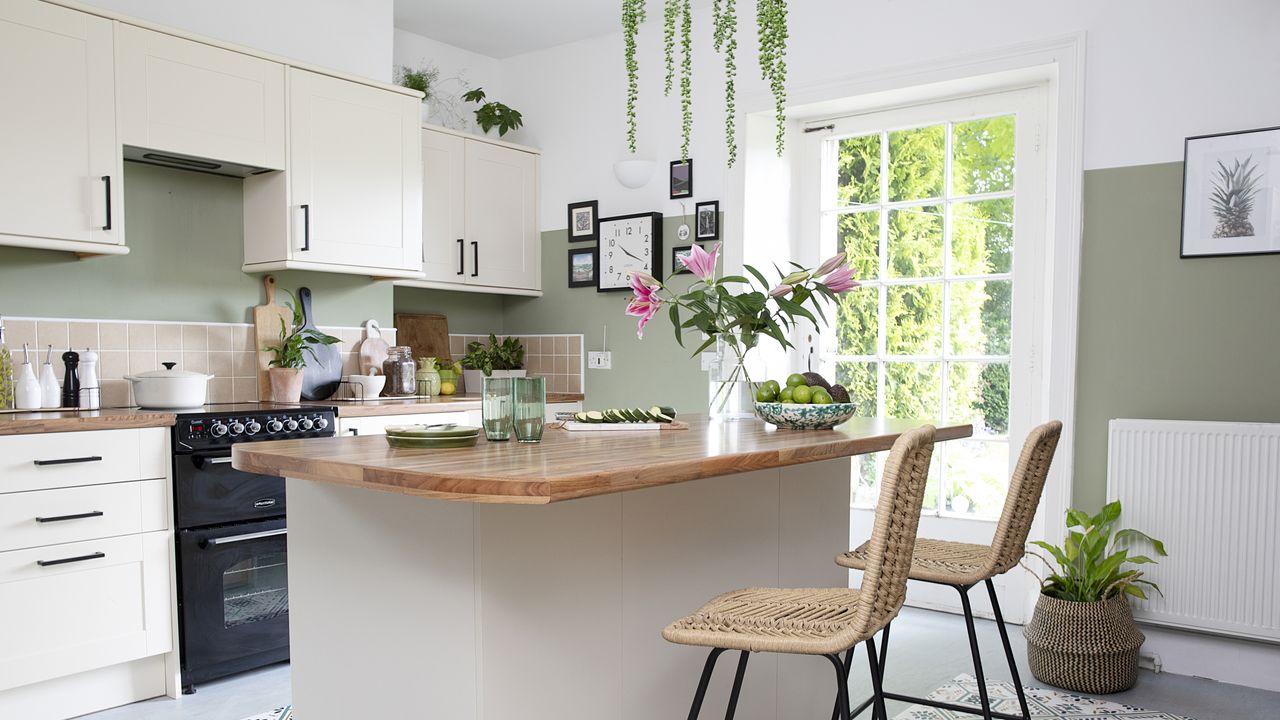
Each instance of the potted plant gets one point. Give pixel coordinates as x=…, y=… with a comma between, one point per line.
x=1082, y=635
x=499, y=359
x=493, y=114
x=285, y=371
x=424, y=80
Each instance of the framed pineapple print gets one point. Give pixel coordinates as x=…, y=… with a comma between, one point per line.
x=1231, y=194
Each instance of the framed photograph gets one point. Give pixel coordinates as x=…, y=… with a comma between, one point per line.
x=707, y=216
x=1231, y=194
x=582, y=267
x=584, y=221
x=681, y=179
x=677, y=267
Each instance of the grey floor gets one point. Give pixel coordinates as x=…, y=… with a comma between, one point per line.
x=927, y=650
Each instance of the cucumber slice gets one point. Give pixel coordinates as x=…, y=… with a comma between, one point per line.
x=595, y=416
x=612, y=416
x=641, y=415
x=580, y=417
x=655, y=411
x=668, y=411
x=664, y=418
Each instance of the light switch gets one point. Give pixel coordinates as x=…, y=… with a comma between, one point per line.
x=600, y=360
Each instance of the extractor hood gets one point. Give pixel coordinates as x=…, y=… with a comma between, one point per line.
x=187, y=162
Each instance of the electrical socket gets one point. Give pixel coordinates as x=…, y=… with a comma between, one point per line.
x=600, y=360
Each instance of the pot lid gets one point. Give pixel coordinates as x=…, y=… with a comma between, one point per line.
x=171, y=373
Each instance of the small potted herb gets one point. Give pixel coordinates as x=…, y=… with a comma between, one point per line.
x=503, y=358
x=423, y=79
x=285, y=371
x=1082, y=635
x=493, y=114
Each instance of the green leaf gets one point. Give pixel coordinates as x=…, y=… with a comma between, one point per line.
x=1077, y=518
x=1135, y=591
x=674, y=314
x=1110, y=513
x=758, y=276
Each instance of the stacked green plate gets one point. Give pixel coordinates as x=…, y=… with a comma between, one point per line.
x=446, y=435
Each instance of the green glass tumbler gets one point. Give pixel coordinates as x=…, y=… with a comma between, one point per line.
x=531, y=408
x=496, y=408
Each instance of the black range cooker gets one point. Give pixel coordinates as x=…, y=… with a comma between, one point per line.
x=233, y=586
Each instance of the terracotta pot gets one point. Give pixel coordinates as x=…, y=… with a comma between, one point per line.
x=1089, y=647
x=286, y=384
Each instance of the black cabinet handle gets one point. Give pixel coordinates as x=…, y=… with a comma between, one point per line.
x=107, y=179
x=462, y=256
x=354, y=431
x=64, y=561
x=77, y=516
x=70, y=461
x=306, y=227
x=475, y=258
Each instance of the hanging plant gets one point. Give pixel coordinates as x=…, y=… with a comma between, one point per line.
x=725, y=21
x=771, y=19
x=632, y=16
x=670, y=13
x=686, y=77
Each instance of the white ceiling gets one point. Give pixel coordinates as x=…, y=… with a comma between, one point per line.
x=502, y=28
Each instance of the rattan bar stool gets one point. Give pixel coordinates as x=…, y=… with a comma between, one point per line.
x=964, y=565
x=823, y=621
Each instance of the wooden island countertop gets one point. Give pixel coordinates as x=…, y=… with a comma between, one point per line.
x=567, y=465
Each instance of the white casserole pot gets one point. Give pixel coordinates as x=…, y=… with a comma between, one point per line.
x=169, y=388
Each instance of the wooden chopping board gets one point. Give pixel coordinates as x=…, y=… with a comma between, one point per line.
x=373, y=348
x=427, y=335
x=266, y=332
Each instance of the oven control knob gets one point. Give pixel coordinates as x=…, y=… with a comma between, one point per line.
x=321, y=423
x=217, y=429
x=274, y=426
x=253, y=427
x=236, y=428
x=290, y=424
x=305, y=423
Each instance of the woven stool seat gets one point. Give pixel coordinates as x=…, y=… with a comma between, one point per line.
x=939, y=561
x=815, y=621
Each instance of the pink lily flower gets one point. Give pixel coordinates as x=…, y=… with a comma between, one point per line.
x=841, y=280
x=645, y=303
x=700, y=262
x=831, y=264
x=780, y=290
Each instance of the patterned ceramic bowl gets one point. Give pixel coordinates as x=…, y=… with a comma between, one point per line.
x=805, y=417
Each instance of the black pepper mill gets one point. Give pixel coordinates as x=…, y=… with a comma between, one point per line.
x=71, y=381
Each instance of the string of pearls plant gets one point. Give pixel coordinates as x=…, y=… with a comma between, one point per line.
x=771, y=17
x=725, y=21
x=632, y=16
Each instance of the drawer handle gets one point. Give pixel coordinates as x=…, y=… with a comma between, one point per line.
x=64, y=561
x=69, y=461
x=77, y=516
x=218, y=460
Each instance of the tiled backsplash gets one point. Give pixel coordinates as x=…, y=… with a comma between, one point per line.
x=558, y=358
x=224, y=350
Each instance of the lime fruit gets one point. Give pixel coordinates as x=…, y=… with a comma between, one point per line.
x=795, y=380
x=785, y=395
x=801, y=394
x=773, y=385
x=821, y=397
x=766, y=394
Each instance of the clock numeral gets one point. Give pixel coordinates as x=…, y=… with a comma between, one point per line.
x=629, y=231
x=612, y=242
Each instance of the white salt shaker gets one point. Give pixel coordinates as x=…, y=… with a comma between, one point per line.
x=90, y=393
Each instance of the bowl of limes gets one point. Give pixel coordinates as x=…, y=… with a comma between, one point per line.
x=806, y=402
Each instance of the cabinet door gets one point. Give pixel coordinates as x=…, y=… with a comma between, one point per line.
x=185, y=97
x=502, y=217
x=444, y=250
x=355, y=174
x=377, y=425
x=60, y=177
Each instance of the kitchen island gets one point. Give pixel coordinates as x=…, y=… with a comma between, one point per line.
x=424, y=585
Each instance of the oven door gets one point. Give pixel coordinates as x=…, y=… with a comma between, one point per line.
x=235, y=598
x=210, y=492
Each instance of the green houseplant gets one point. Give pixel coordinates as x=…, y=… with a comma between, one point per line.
x=493, y=114
x=285, y=371
x=500, y=358
x=1082, y=635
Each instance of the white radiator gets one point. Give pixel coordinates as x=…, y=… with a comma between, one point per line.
x=1211, y=492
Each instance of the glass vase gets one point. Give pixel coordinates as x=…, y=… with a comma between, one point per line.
x=732, y=394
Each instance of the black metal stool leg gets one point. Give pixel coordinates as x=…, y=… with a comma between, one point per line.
x=973, y=647
x=848, y=665
x=1008, y=652
x=842, y=691
x=877, y=681
x=737, y=685
x=702, y=684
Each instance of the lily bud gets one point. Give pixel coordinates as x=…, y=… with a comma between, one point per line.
x=780, y=290
x=796, y=277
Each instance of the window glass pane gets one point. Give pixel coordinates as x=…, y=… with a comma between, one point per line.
x=980, y=317
x=913, y=319
x=933, y=484
x=977, y=476
x=916, y=160
x=982, y=237
x=913, y=390
x=866, y=479
x=983, y=152
x=858, y=234
x=978, y=393
x=859, y=379
x=915, y=242
x=858, y=170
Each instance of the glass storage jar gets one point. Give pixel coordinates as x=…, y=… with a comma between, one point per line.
x=401, y=371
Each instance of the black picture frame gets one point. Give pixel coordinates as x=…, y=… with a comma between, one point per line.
x=677, y=267
x=712, y=207
x=594, y=255
x=680, y=179
x=1193, y=209
x=576, y=234
x=655, y=253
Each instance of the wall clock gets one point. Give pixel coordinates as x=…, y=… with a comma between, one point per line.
x=628, y=243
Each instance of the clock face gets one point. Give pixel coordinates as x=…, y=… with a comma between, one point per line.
x=629, y=243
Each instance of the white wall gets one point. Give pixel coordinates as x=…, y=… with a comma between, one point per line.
x=351, y=36
x=459, y=69
x=1158, y=70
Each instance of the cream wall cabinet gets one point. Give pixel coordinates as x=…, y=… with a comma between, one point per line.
x=351, y=198
x=187, y=98
x=61, y=186
x=479, y=215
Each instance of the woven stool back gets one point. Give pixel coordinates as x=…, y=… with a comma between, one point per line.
x=893, y=537
x=1025, y=487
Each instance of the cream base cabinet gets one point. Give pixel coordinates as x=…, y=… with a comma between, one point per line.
x=353, y=187
x=186, y=98
x=480, y=230
x=60, y=177
x=377, y=425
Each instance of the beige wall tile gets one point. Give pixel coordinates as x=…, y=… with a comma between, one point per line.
x=246, y=364
x=242, y=338
x=113, y=335
x=575, y=384
x=389, y=334
x=244, y=389
x=561, y=365
x=81, y=335
x=195, y=362
x=221, y=390
x=195, y=337
x=52, y=332
x=17, y=332
x=350, y=363
x=455, y=345
x=142, y=361
x=533, y=345
x=113, y=364
x=115, y=393
x=222, y=364
x=561, y=345
x=575, y=345
x=142, y=336
x=220, y=338
x=168, y=337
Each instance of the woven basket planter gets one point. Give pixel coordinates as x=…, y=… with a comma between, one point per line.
x=1089, y=647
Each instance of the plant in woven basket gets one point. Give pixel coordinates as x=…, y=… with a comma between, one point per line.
x=1094, y=562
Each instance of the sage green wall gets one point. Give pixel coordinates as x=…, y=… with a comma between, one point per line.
x=1162, y=337
x=652, y=371
x=467, y=312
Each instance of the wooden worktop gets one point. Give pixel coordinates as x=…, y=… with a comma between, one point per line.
x=26, y=423
x=567, y=465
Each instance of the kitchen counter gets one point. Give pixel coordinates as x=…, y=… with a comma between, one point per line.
x=414, y=406
x=25, y=423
